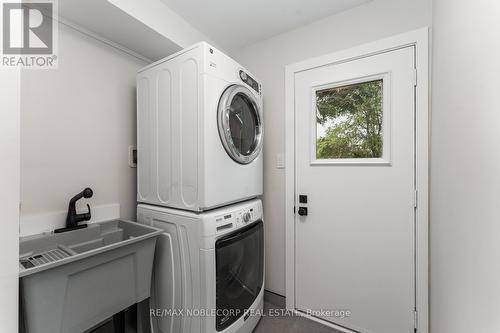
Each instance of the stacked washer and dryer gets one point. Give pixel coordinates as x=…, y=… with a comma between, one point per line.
x=200, y=175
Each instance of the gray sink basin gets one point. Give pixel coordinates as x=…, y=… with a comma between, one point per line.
x=71, y=281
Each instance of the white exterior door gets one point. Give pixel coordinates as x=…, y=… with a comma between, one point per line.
x=355, y=162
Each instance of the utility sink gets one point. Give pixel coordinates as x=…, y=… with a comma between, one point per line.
x=72, y=281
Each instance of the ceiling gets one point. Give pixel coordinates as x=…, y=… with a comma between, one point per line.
x=105, y=20
x=236, y=23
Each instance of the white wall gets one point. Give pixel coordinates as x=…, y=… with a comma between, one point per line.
x=465, y=167
x=76, y=125
x=9, y=197
x=267, y=59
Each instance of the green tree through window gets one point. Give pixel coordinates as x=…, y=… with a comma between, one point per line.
x=349, y=121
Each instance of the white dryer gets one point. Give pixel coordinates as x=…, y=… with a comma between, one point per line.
x=208, y=274
x=200, y=131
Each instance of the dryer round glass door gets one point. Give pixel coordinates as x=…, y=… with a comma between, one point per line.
x=240, y=124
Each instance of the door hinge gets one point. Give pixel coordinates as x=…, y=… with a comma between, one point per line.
x=415, y=315
x=415, y=199
x=415, y=77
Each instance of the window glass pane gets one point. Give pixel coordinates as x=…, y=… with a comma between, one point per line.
x=243, y=124
x=349, y=121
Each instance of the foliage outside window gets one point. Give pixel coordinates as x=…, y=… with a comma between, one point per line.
x=349, y=121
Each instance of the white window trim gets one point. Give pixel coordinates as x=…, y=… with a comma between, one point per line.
x=420, y=39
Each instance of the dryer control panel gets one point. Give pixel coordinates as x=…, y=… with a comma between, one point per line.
x=250, y=81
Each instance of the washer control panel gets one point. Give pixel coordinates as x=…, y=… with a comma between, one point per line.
x=246, y=216
x=237, y=218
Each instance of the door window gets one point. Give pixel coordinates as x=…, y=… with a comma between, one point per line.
x=350, y=121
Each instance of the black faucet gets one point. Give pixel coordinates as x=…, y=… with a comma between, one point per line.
x=73, y=218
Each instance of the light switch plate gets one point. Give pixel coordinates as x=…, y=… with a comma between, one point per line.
x=132, y=156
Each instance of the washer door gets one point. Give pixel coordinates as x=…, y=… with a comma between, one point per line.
x=239, y=265
x=240, y=124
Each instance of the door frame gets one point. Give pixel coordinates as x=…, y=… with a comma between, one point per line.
x=420, y=40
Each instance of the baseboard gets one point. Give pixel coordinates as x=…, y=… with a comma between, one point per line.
x=276, y=299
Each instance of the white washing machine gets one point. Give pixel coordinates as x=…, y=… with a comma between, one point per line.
x=200, y=131
x=209, y=269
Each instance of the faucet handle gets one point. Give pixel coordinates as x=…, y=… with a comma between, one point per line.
x=87, y=215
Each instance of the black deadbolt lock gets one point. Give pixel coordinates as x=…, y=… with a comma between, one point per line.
x=302, y=198
x=303, y=211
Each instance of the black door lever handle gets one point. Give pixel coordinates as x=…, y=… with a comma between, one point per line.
x=303, y=211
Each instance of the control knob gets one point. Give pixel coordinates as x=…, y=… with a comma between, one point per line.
x=243, y=76
x=246, y=217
